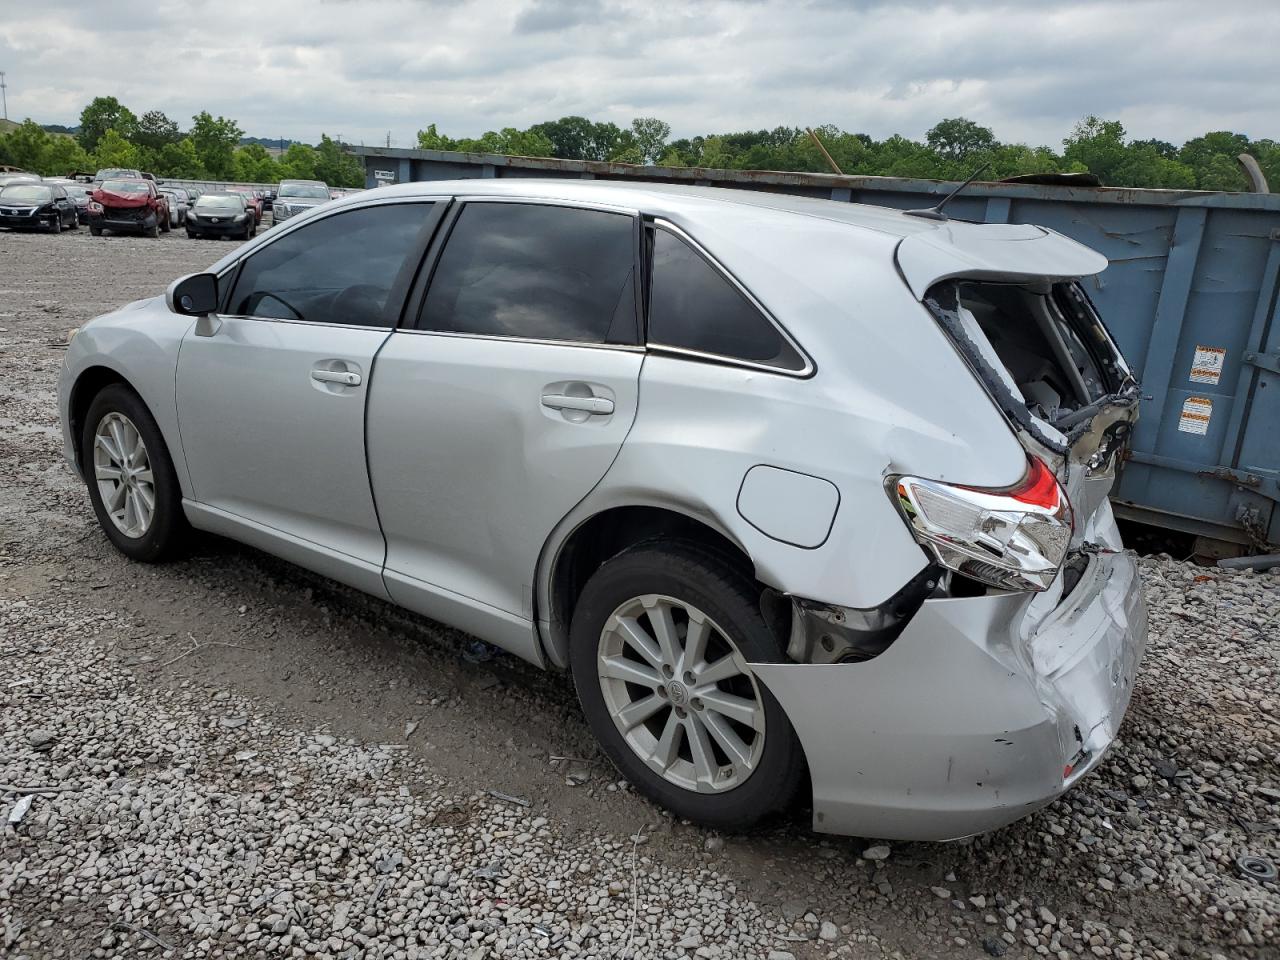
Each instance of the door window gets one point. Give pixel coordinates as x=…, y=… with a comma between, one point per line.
x=536, y=272
x=693, y=306
x=339, y=269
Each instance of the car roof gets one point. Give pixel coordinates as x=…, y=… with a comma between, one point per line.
x=665, y=199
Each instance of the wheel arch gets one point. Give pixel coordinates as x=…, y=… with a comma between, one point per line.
x=88, y=384
x=583, y=542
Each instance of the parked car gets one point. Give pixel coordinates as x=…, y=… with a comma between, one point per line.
x=252, y=200
x=77, y=193
x=17, y=177
x=221, y=215
x=805, y=495
x=268, y=199
x=36, y=205
x=178, y=205
x=296, y=196
x=128, y=205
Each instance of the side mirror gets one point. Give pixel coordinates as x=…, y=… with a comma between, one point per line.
x=195, y=295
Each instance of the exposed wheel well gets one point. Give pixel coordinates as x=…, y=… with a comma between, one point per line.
x=87, y=386
x=606, y=535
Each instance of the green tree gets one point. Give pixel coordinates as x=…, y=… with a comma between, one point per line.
x=430, y=139
x=335, y=166
x=298, y=163
x=1213, y=159
x=958, y=138
x=215, y=140
x=649, y=135
x=179, y=160
x=510, y=142
x=103, y=114
x=254, y=165
x=115, y=151
x=63, y=155
x=155, y=131
x=577, y=138
x=27, y=144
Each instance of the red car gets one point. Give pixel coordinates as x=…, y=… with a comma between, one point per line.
x=252, y=199
x=128, y=204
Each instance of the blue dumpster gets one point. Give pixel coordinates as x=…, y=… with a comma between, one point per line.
x=1190, y=293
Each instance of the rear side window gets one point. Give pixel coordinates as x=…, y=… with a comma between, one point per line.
x=693, y=306
x=536, y=272
x=339, y=269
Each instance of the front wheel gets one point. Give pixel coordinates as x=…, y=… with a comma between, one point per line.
x=661, y=644
x=96, y=231
x=131, y=479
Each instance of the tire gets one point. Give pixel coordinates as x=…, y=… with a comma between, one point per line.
x=165, y=227
x=190, y=235
x=684, y=577
x=55, y=225
x=167, y=531
x=153, y=231
x=75, y=223
x=96, y=231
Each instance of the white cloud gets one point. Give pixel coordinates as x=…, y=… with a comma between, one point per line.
x=1167, y=68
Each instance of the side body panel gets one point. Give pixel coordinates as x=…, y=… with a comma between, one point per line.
x=268, y=443
x=140, y=342
x=470, y=469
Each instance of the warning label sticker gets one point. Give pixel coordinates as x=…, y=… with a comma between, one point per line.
x=1206, y=366
x=1196, y=412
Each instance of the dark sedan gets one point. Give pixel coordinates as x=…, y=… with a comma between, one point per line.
x=37, y=205
x=221, y=215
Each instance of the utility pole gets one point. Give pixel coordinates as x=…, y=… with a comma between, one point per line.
x=4, y=94
x=388, y=139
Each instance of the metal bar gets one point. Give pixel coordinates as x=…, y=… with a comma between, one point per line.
x=1233, y=440
x=818, y=143
x=1157, y=366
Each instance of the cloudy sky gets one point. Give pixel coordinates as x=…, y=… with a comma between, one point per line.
x=292, y=68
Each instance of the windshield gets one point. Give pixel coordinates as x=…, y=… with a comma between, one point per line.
x=26, y=193
x=128, y=187
x=305, y=190
x=109, y=172
x=213, y=202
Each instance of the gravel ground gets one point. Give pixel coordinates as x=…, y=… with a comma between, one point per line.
x=236, y=758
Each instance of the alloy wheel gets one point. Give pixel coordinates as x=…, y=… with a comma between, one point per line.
x=680, y=693
x=122, y=471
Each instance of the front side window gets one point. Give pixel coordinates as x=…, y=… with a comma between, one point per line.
x=536, y=272
x=693, y=306
x=339, y=269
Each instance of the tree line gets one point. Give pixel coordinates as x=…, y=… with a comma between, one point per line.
x=951, y=150
x=112, y=135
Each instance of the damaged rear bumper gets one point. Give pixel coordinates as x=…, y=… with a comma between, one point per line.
x=971, y=718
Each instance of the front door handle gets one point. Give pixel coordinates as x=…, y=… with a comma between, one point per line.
x=598, y=406
x=345, y=377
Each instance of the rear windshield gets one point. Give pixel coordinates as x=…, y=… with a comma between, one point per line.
x=127, y=187
x=304, y=190
x=26, y=193
x=1039, y=346
x=214, y=202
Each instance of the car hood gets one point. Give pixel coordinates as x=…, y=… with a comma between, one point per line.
x=992, y=251
x=109, y=199
x=301, y=201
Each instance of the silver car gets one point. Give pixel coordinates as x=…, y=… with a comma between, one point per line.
x=809, y=497
x=297, y=196
x=179, y=205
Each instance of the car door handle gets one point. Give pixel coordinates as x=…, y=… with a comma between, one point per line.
x=592, y=405
x=344, y=377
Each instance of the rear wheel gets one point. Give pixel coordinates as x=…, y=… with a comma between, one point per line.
x=660, y=647
x=130, y=475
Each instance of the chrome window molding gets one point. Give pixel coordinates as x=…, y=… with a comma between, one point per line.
x=585, y=344
x=809, y=368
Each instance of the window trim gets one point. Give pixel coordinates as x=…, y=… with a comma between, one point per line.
x=809, y=368
x=422, y=286
x=415, y=258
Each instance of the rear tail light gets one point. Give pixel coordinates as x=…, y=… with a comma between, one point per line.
x=1014, y=539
